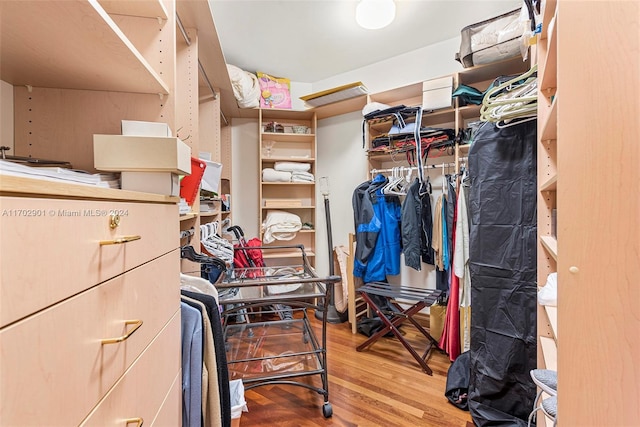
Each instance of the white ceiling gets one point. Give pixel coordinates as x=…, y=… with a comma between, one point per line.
x=311, y=40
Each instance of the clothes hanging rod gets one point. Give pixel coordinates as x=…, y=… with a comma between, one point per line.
x=187, y=233
x=187, y=40
x=182, y=30
x=441, y=165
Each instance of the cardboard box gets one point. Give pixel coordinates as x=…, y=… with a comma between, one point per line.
x=121, y=153
x=137, y=128
x=165, y=183
x=437, y=93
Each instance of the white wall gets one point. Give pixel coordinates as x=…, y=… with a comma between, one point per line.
x=341, y=159
x=340, y=153
x=428, y=62
x=245, y=176
x=6, y=116
x=297, y=90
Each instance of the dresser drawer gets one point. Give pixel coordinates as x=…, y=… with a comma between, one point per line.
x=51, y=248
x=140, y=393
x=54, y=365
x=170, y=414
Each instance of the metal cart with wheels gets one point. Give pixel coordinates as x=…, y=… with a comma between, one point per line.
x=267, y=326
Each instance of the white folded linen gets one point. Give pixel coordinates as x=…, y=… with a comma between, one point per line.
x=280, y=225
x=292, y=166
x=272, y=175
x=302, y=177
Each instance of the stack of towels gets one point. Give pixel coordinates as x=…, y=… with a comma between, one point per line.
x=288, y=172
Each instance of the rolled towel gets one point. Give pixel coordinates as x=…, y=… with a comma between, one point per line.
x=272, y=175
x=280, y=225
x=292, y=166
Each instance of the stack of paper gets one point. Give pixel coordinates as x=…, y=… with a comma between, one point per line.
x=105, y=180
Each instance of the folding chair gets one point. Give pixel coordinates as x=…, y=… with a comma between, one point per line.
x=393, y=315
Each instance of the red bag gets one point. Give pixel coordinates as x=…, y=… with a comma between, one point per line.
x=243, y=258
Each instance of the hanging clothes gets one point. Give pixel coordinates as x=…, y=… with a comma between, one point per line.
x=451, y=207
x=446, y=244
x=221, y=388
x=383, y=222
x=210, y=405
x=450, y=340
x=436, y=242
x=367, y=225
x=417, y=225
x=461, y=265
x=191, y=333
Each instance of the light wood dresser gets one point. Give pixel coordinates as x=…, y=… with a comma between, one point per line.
x=89, y=306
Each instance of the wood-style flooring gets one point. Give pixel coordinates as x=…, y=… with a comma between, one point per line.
x=381, y=386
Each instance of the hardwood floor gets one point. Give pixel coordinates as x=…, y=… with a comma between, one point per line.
x=381, y=386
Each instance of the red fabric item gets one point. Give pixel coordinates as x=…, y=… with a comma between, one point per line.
x=450, y=339
x=190, y=184
x=244, y=257
x=255, y=254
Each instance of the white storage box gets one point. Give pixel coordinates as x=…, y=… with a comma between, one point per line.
x=211, y=177
x=165, y=183
x=141, y=153
x=436, y=93
x=137, y=128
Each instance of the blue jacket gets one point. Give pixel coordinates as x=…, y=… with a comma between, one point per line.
x=377, y=222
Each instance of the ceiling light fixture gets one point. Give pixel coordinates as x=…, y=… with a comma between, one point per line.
x=375, y=14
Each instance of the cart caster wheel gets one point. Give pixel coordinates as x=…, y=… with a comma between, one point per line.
x=327, y=410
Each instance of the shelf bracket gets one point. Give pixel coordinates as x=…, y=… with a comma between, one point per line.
x=29, y=88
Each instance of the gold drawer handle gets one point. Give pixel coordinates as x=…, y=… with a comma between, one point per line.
x=120, y=240
x=137, y=324
x=138, y=421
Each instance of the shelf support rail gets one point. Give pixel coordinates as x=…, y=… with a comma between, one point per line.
x=187, y=40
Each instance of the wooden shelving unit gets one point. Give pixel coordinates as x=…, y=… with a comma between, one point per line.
x=547, y=188
x=289, y=147
x=590, y=338
x=455, y=117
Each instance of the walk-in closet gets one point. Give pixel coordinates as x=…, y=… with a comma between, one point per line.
x=350, y=213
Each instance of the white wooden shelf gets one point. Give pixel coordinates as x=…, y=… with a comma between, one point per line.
x=550, y=126
x=19, y=186
x=143, y=9
x=71, y=29
x=550, y=353
x=288, y=159
x=287, y=207
x=288, y=183
x=552, y=315
x=287, y=254
x=548, y=13
x=549, y=80
x=551, y=245
x=287, y=137
x=550, y=184
x=470, y=111
x=187, y=217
